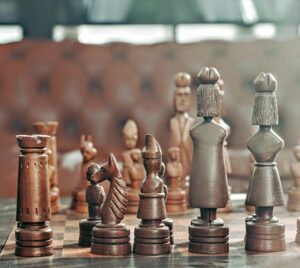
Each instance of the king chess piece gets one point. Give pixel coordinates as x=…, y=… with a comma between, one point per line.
x=219, y=119
x=176, y=201
x=95, y=196
x=181, y=124
x=294, y=193
x=208, y=181
x=50, y=128
x=130, y=134
x=136, y=174
x=33, y=234
x=88, y=152
x=264, y=233
x=152, y=236
x=111, y=237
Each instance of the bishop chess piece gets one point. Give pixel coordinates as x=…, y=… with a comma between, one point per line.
x=152, y=236
x=208, y=181
x=221, y=121
x=264, y=233
x=176, y=201
x=50, y=128
x=181, y=124
x=33, y=234
x=111, y=237
x=294, y=193
x=130, y=134
x=95, y=196
x=136, y=174
x=89, y=152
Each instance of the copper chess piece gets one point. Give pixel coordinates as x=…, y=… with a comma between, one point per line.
x=264, y=233
x=208, y=181
x=152, y=236
x=95, y=196
x=89, y=153
x=33, y=234
x=130, y=134
x=136, y=174
x=294, y=193
x=50, y=128
x=176, y=201
x=111, y=237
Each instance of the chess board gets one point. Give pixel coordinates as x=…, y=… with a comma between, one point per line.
x=67, y=252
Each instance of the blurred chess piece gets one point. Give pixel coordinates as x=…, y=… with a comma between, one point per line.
x=88, y=152
x=181, y=124
x=95, y=196
x=136, y=174
x=176, y=200
x=220, y=120
x=50, y=128
x=294, y=193
x=130, y=134
x=264, y=233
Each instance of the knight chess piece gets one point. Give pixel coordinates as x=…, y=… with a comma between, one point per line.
x=294, y=193
x=50, y=128
x=219, y=119
x=176, y=201
x=33, y=234
x=152, y=236
x=264, y=233
x=89, y=152
x=136, y=174
x=95, y=196
x=130, y=134
x=181, y=124
x=207, y=233
x=111, y=237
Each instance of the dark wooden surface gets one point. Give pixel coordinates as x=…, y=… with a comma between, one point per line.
x=237, y=256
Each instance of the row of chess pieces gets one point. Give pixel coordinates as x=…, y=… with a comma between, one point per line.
x=148, y=196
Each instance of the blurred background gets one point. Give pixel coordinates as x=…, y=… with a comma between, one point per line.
x=93, y=64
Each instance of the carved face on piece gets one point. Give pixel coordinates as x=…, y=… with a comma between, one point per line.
x=131, y=140
x=97, y=174
x=182, y=99
x=87, y=148
x=174, y=154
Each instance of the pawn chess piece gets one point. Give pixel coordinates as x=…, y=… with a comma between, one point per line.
x=88, y=152
x=95, y=196
x=220, y=120
x=111, y=237
x=152, y=236
x=208, y=181
x=130, y=134
x=136, y=174
x=264, y=233
x=33, y=234
x=294, y=193
x=176, y=201
x=50, y=128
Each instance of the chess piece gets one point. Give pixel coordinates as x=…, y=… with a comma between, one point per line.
x=95, y=196
x=111, y=237
x=33, y=234
x=294, y=193
x=136, y=174
x=264, y=233
x=220, y=120
x=130, y=133
x=181, y=124
x=152, y=237
x=50, y=128
x=208, y=181
x=176, y=201
x=88, y=152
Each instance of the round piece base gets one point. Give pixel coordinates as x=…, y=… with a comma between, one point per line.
x=151, y=249
x=111, y=249
x=265, y=237
x=34, y=251
x=208, y=239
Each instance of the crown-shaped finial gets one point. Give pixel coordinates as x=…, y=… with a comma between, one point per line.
x=208, y=75
x=265, y=82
